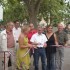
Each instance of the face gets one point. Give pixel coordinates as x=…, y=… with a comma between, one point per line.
x=40, y=30
x=2, y=26
x=11, y=26
x=17, y=24
x=50, y=29
x=27, y=31
x=31, y=26
x=60, y=27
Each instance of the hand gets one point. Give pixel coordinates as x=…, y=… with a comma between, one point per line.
x=39, y=44
x=45, y=45
x=34, y=46
x=59, y=46
x=30, y=45
x=65, y=45
x=8, y=54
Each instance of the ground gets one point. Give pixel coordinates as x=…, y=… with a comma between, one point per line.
x=66, y=61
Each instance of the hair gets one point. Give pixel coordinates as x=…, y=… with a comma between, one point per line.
x=61, y=23
x=39, y=27
x=31, y=24
x=9, y=23
x=24, y=28
x=16, y=21
x=49, y=26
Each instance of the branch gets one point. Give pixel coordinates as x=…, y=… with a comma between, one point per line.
x=27, y=2
x=37, y=5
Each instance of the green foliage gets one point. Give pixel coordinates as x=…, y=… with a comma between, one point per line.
x=52, y=7
x=13, y=10
x=21, y=9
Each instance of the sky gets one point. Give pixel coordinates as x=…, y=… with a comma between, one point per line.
x=67, y=0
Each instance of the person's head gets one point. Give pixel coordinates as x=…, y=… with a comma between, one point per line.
x=31, y=26
x=49, y=28
x=25, y=29
x=1, y=26
x=16, y=23
x=60, y=27
x=10, y=25
x=68, y=26
x=40, y=30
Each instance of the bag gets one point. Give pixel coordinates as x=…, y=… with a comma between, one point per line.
x=9, y=62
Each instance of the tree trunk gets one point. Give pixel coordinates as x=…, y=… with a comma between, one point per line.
x=33, y=18
x=33, y=9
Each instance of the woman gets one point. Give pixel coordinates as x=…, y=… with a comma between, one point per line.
x=23, y=61
x=51, y=50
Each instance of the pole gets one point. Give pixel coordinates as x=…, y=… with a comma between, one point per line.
x=4, y=60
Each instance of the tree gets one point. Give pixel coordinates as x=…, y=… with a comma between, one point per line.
x=50, y=9
x=33, y=10
x=14, y=10
x=33, y=7
x=67, y=13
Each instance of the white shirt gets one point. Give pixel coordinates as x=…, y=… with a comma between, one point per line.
x=16, y=33
x=39, y=39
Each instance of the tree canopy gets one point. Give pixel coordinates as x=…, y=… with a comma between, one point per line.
x=33, y=10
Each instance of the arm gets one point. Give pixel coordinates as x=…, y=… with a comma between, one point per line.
x=34, y=43
x=0, y=40
x=45, y=45
x=32, y=40
x=21, y=41
x=56, y=41
x=3, y=42
x=45, y=40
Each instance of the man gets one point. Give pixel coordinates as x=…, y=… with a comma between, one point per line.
x=2, y=27
x=16, y=32
x=30, y=34
x=62, y=40
x=39, y=39
x=7, y=44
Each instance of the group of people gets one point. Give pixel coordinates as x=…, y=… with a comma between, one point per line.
x=23, y=42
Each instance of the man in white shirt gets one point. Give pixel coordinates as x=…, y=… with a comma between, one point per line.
x=7, y=44
x=16, y=32
x=39, y=39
